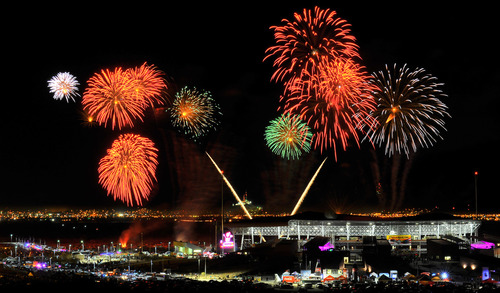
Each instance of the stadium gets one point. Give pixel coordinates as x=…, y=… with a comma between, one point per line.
x=353, y=232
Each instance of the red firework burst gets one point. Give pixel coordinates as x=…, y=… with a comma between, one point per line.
x=309, y=39
x=110, y=95
x=335, y=102
x=128, y=170
x=148, y=83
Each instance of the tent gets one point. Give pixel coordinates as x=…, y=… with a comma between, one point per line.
x=425, y=280
x=342, y=278
x=384, y=279
x=410, y=277
x=436, y=279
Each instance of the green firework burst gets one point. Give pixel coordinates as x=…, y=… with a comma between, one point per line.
x=288, y=136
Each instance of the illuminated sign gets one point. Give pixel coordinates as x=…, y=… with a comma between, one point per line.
x=227, y=243
x=399, y=239
x=486, y=274
x=327, y=247
x=482, y=245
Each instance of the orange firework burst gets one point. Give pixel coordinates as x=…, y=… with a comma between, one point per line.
x=335, y=102
x=109, y=96
x=128, y=170
x=148, y=83
x=305, y=42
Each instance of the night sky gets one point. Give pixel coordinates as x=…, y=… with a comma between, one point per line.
x=50, y=158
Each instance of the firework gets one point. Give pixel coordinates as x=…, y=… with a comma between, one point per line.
x=64, y=85
x=336, y=104
x=194, y=112
x=242, y=205
x=306, y=190
x=128, y=170
x=311, y=38
x=409, y=112
x=148, y=83
x=110, y=96
x=86, y=119
x=288, y=136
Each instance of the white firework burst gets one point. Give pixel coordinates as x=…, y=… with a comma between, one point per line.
x=64, y=85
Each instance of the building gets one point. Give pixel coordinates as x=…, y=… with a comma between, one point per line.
x=441, y=249
x=186, y=248
x=346, y=232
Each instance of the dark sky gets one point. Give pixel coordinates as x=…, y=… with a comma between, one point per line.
x=50, y=159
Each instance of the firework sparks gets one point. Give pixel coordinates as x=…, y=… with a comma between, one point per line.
x=86, y=119
x=110, y=97
x=288, y=136
x=194, y=112
x=128, y=170
x=64, y=85
x=148, y=83
x=302, y=44
x=409, y=113
x=339, y=105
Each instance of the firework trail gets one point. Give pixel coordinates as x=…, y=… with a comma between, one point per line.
x=110, y=96
x=64, y=85
x=148, y=84
x=280, y=180
x=128, y=170
x=242, y=205
x=339, y=105
x=409, y=113
x=288, y=136
x=303, y=196
x=194, y=112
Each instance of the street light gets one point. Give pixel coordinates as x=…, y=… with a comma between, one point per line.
x=475, y=188
x=222, y=209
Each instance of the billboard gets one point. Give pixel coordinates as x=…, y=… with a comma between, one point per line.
x=399, y=239
x=227, y=242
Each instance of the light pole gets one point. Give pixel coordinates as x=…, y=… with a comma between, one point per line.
x=475, y=188
x=222, y=209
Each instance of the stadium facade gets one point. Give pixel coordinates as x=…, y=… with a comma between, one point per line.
x=348, y=229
